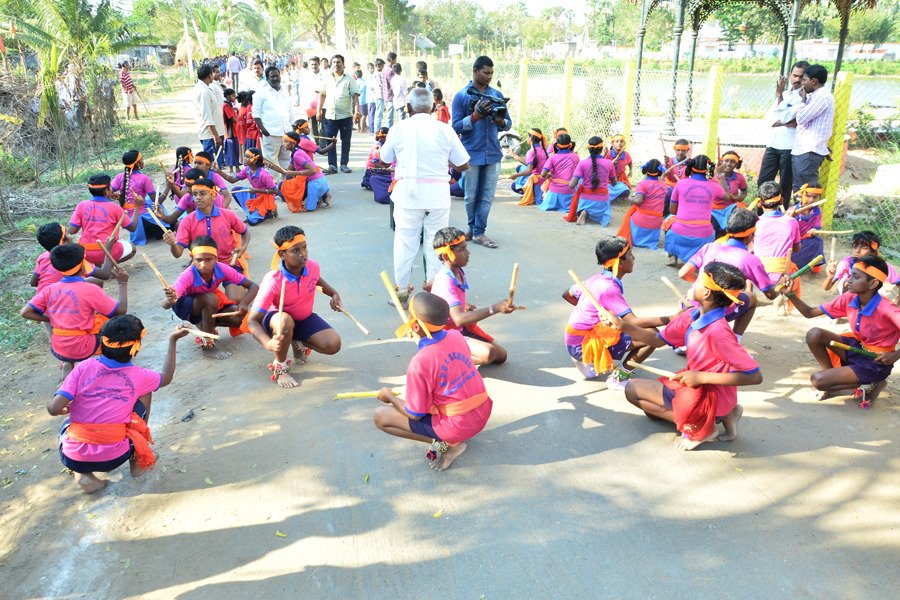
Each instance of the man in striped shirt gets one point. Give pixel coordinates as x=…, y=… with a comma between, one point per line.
x=814, y=121
x=129, y=92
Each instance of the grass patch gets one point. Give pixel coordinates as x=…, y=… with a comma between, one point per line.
x=15, y=332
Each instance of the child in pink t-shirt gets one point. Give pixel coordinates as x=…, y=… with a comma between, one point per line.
x=219, y=223
x=620, y=159
x=318, y=194
x=195, y=297
x=592, y=345
x=733, y=184
x=531, y=167
x=777, y=236
x=97, y=218
x=864, y=243
x=592, y=177
x=643, y=219
x=75, y=308
x=558, y=170
x=874, y=328
x=257, y=200
x=691, y=206
x=706, y=391
x=295, y=326
x=133, y=190
x=810, y=222
x=51, y=235
x=445, y=402
x=183, y=163
x=107, y=401
x=451, y=285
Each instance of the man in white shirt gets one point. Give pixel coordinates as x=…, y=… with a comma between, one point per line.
x=233, y=66
x=313, y=85
x=252, y=76
x=205, y=109
x=372, y=80
x=399, y=87
x=378, y=96
x=424, y=149
x=777, y=158
x=274, y=114
x=814, y=120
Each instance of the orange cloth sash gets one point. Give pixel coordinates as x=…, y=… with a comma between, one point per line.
x=528, y=190
x=595, y=345
x=89, y=245
x=262, y=203
x=546, y=185
x=135, y=430
x=293, y=190
x=99, y=321
x=625, y=227
x=461, y=407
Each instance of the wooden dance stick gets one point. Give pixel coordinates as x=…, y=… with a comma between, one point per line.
x=833, y=248
x=198, y=333
x=813, y=205
x=106, y=252
x=115, y=231
x=803, y=270
x=215, y=159
x=355, y=322
x=233, y=313
x=323, y=137
x=833, y=232
x=155, y=270
x=351, y=395
x=600, y=310
x=753, y=204
x=683, y=299
x=654, y=370
x=848, y=348
x=512, y=283
x=156, y=219
x=393, y=294
x=235, y=255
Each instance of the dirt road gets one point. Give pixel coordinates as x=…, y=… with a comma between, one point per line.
x=569, y=492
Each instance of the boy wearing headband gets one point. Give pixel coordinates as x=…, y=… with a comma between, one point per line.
x=733, y=249
x=445, y=402
x=196, y=296
x=865, y=243
x=96, y=219
x=75, y=308
x=186, y=203
x=874, y=327
x=202, y=162
x=219, y=223
x=450, y=284
x=777, y=236
x=297, y=327
x=810, y=222
x=593, y=346
x=706, y=391
x=51, y=235
x=107, y=403
x=676, y=168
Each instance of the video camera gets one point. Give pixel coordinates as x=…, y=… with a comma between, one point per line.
x=496, y=109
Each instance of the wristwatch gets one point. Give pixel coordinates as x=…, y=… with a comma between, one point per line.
x=490, y=310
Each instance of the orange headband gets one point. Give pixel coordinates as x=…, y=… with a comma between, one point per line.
x=189, y=157
x=63, y=237
x=613, y=263
x=682, y=147
x=773, y=200
x=134, y=344
x=98, y=186
x=252, y=156
x=871, y=271
x=297, y=239
x=738, y=235
x=203, y=159
x=406, y=328
x=806, y=190
x=564, y=146
x=448, y=250
x=593, y=146
x=708, y=282
x=534, y=133
x=734, y=154
x=201, y=186
x=73, y=270
x=198, y=250
x=696, y=170
x=287, y=138
x=136, y=161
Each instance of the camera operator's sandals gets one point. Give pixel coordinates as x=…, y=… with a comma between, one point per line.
x=483, y=240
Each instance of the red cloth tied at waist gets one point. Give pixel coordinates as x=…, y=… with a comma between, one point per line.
x=694, y=408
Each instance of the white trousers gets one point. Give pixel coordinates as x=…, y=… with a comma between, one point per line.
x=408, y=238
x=272, y=149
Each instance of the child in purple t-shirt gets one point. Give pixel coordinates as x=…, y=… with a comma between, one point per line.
x=107, y=400
x=451, y=285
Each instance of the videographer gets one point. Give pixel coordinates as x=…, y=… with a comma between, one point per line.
x=478, y=114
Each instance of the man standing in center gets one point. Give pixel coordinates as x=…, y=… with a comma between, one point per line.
x=338, y=105
x=273, y=113
x=477, y=122
x=206, y=110
x=423, y=148
x=387, y=95
x=777, y=158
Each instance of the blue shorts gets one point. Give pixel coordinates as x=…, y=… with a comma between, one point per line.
x=75, y=360
x=303, y=330
x=668, y=395
x=423, y=427
x=865, y=369
x=105, y=466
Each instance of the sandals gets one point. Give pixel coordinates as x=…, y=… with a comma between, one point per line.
x=483, y=240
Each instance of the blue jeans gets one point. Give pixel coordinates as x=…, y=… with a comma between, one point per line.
x=345, y=128
x=209, y=145
x=480, y=184
x=370, y=118
x=388, y=120
x=379, y=112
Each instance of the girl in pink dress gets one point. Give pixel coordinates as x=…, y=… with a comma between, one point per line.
x=134, y=191
x=594, y=174
x=735, y=186
x=532, y=165
x=691, y=206
x=559, y=168
x=643, y=220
